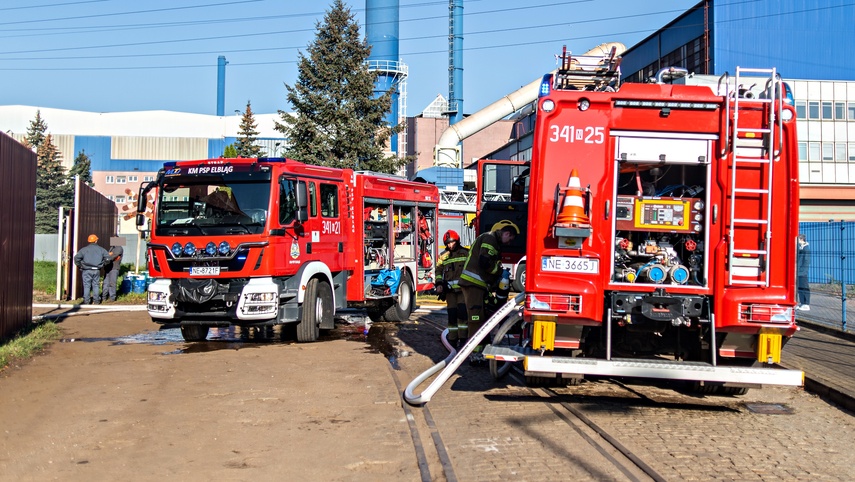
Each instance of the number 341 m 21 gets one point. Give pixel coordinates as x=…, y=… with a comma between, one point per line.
x=588, y=135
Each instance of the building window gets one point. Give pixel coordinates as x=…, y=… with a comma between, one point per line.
x=827, y=113
x=803, y=151
x=120, y=199
x=852, y=111
x=121, y=179
x=840, y=152
x=148, y=178
x=827, y=151
x=132, y=178
x=110, y=180
x=813, y=110
x=801, y=108
x=852, y=152
x=813, y=151
x=840, y=110
x=110, y=198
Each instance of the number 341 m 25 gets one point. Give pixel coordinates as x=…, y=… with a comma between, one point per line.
x=588, y=134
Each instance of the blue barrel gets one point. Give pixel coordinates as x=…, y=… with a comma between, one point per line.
x=139, y=284
x=125, y=287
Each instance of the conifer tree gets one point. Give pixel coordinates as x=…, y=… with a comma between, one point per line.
x=83, y=168
x=52, y=190
x=36, y=132
x=245, y=144
x=230, y=152
x=337, y=119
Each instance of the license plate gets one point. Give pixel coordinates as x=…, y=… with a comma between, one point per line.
x=564, y=264
x=204, y=271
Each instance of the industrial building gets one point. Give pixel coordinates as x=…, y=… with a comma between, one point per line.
x=806, y=42
x=128, y=148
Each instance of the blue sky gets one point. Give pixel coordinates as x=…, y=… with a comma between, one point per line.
x=123, y=55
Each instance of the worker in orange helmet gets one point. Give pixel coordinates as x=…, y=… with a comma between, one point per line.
x=90, y=259
x=481, y=273
x=448, y=269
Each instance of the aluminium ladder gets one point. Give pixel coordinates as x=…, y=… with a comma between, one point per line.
x=753, y=158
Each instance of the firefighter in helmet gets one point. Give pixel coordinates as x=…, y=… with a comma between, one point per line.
x=448, y=269
x=481, y=273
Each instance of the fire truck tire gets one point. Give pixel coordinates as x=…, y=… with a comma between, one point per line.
x=317, y=308
x=519, y=279
x=499, y=369
x=706, y=389
x=734, y=390
x=194, y=332
x=403, y=306
x=375, y=315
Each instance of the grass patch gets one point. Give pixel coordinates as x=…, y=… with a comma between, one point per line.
x=28, y=342
x=44, y=277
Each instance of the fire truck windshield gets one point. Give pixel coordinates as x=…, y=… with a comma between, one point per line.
x=212, y=206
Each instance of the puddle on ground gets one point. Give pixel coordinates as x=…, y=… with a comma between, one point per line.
x=379, y=338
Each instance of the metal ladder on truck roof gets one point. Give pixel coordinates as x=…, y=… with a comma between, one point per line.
x=754, y=150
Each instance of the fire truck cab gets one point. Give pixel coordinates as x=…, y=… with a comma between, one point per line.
x=662, y=226
x=262, y=242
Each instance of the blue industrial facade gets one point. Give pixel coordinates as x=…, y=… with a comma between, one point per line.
x=803, y=39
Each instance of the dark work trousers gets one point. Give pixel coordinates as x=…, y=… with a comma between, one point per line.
x=804, y=290
x=91, y=277
x=456, y=314
x=110, y=280
x=474, y=297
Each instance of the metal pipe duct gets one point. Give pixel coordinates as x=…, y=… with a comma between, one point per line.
x=447, y=152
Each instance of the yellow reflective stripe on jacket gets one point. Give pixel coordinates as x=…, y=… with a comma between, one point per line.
x=473, y=278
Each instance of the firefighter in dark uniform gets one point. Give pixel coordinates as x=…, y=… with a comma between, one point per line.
x=481, y=273
x=448, y=269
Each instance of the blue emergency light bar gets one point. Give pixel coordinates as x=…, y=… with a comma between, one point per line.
x=545, y=85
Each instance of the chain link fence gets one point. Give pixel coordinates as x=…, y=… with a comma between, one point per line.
x=831, y=274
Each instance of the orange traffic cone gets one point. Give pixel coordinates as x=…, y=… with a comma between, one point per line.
x=573, y=211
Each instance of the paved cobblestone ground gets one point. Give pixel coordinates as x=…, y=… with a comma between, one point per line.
x=499, y=430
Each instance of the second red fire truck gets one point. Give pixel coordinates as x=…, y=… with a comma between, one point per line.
x=661, y=233
x=261, y=242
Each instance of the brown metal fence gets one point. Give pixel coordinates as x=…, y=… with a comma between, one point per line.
x=93, y=214
x=17, y=234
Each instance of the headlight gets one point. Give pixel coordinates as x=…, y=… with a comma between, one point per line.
x=224, y=248
x=261, y=297
x=176, y=250
x=156, y=296
x=210, y=248
x=189, y=249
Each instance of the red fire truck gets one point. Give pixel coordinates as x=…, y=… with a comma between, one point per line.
x=261, y=242
x=662, y=226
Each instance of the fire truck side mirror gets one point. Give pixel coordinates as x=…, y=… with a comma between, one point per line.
x=140, y=219
x=302, y=202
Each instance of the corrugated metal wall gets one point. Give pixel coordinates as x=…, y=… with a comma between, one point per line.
x=93, y=214
x=17, y=234
x=159, y=148
x=64, y=144
x=802, y=39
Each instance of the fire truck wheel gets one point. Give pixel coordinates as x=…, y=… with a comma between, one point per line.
x=499, y=369
x=375, y=314
x=401, y=309
x=734, y=390
x=519, y=279
x=317, y=308
x=706, y=389
x=194, y=332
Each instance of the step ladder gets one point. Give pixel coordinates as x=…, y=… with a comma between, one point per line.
x=753, y=148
